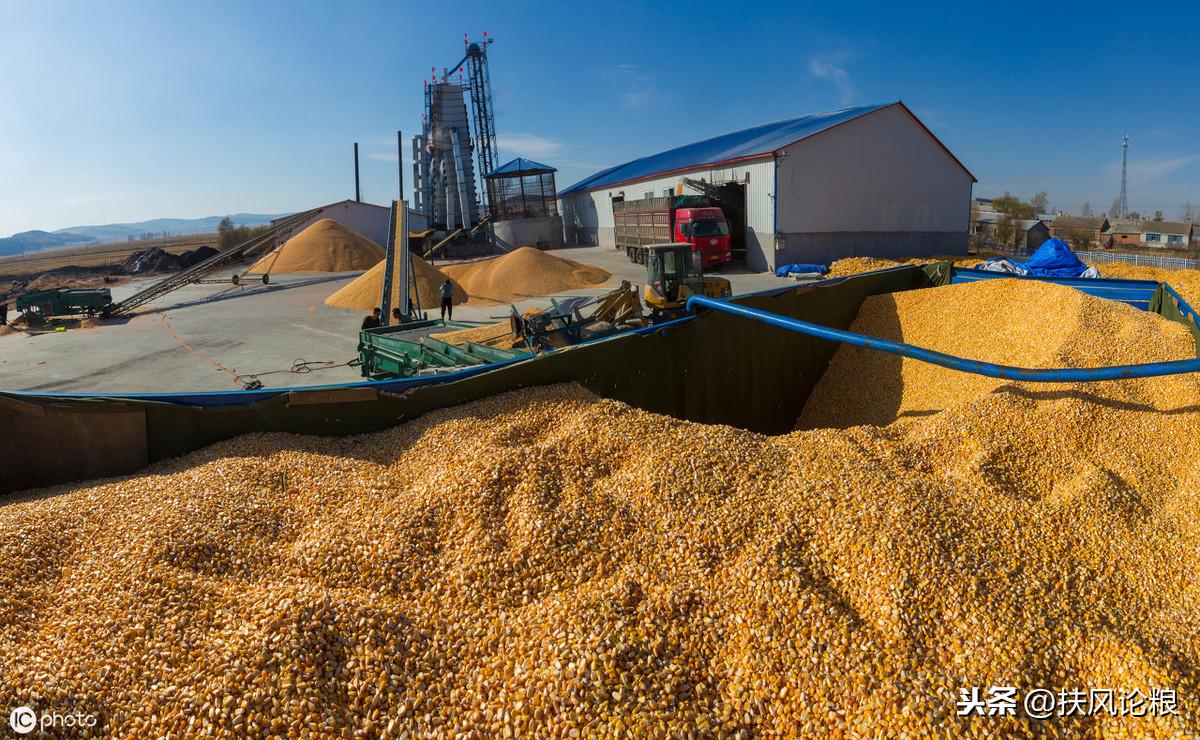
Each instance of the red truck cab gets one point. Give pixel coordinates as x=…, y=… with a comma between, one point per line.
x=707, y=230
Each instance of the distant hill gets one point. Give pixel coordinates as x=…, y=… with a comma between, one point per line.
x=33, y=241
x=166, y=226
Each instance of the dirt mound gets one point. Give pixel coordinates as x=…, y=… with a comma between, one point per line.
x=155, y=259
x=365, y=291
x=523, y=273
x=325, y=246
x=196, y=256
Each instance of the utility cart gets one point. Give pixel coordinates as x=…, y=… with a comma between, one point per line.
x=408, y=350
x=65, y=302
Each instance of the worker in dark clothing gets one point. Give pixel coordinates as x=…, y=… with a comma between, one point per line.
x=447, y=300
x=397, y=316
x=372, y=321
x=3, y=313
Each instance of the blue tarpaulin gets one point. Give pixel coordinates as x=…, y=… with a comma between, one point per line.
x=800, y=267
x=1055, y=259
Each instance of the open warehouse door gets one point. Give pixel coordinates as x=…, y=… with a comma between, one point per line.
x=730, y=197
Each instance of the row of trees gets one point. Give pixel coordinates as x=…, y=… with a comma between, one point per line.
x=1188, y=212
x=148, y=235
x=1015, y=208
x=1012, y=209
x=229, y=235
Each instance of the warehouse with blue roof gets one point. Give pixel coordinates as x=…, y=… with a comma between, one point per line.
x=870, y=180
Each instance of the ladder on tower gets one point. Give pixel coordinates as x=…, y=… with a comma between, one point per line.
x=255, y=244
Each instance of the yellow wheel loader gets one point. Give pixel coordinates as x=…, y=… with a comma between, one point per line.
x=674, y=273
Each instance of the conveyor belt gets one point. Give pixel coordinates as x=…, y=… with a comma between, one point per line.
x=266, y=240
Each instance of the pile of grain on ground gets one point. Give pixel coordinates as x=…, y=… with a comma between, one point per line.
x=548, y=563
x=1010, y=322
x=365, y=292
x=523, y=273
x=325, y=246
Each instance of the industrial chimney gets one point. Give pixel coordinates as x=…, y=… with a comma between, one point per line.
x=357, y=190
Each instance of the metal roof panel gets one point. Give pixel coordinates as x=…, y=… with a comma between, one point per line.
x=747, y=143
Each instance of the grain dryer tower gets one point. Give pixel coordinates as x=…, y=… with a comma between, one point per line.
x=452, y=142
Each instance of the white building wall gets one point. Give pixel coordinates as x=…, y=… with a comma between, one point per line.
x=1164, y=239
x=588, y=216
x=879, y=185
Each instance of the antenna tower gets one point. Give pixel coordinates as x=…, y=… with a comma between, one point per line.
x=1124, y=207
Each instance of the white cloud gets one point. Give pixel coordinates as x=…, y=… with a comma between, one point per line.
x=583, y=165
x=1156, y=168
x=637, y=96
x=529, y=145
x=636, y=87
x=1145, y=171
x=825, y=69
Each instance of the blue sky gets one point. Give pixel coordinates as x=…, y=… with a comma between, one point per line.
x=123, y=111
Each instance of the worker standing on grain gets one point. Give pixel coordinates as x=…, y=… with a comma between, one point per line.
x=372, y=321
x=447, y=300
x=3, y=312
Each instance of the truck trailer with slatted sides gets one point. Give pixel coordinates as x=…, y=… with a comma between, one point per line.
x=672, y=219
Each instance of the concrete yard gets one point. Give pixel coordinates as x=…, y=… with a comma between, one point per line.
x=211, y=337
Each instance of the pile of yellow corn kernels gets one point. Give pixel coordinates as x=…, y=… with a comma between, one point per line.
x=546, y=562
